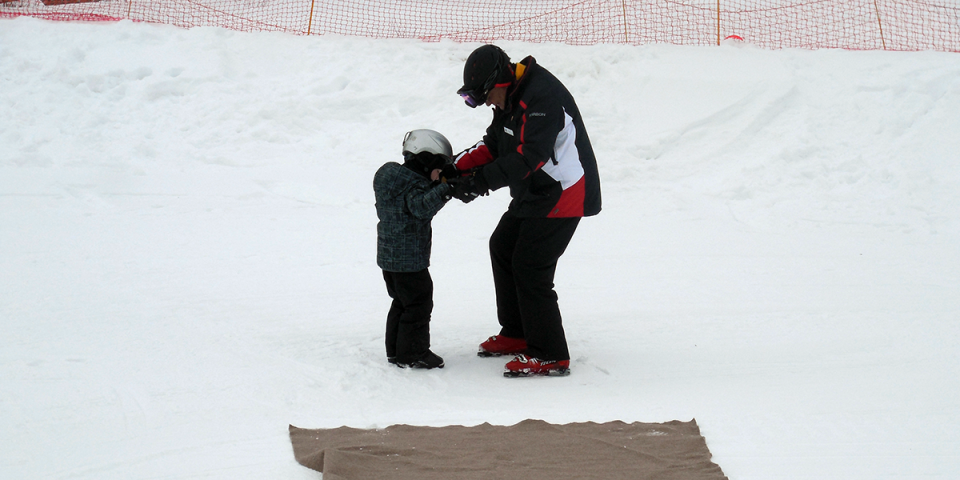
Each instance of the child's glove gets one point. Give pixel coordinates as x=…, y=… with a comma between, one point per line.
x=449, y=174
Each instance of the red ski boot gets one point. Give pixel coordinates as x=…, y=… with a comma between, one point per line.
x=524, y=366
x=499, y=345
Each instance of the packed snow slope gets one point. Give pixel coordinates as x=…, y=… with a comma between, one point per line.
x=188, y=237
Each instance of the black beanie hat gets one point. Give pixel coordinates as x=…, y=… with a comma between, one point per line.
x=486, y=67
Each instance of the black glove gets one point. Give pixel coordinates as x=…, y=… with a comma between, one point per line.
x=449, y=174
x=470, y=186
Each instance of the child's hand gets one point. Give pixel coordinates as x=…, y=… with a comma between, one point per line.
x=435, y=174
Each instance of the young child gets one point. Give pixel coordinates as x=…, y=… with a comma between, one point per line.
x=408, y=196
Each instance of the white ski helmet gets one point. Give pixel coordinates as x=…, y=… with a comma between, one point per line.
x=417, y=141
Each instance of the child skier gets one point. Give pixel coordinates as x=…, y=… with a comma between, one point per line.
x=408, y=196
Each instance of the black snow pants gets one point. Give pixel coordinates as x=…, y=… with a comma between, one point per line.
x=524, y=254
x=408, y=321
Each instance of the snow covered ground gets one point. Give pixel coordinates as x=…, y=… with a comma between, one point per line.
x=187, y=252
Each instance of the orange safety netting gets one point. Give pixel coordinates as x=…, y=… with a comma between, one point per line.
x=848, y=24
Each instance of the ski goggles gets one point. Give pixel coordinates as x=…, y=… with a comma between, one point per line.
x=474, y=98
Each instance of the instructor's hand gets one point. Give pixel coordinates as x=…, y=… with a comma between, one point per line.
x=470, y=186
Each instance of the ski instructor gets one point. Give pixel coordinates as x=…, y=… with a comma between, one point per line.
x=538, y=147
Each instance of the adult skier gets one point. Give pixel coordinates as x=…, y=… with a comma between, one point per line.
x=538, y=147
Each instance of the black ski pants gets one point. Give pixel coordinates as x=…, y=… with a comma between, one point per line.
x=524, y=254
x=408, y=321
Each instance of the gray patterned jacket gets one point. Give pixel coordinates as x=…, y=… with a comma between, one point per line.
x=406, y=203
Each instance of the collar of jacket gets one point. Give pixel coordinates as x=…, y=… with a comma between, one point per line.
x=521, y=72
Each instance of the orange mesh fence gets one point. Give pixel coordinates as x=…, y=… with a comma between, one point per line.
x=848, y=24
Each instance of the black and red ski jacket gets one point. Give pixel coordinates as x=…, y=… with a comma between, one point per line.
x=537, y=145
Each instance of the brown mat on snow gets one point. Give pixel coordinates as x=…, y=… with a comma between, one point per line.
x=529, y=450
